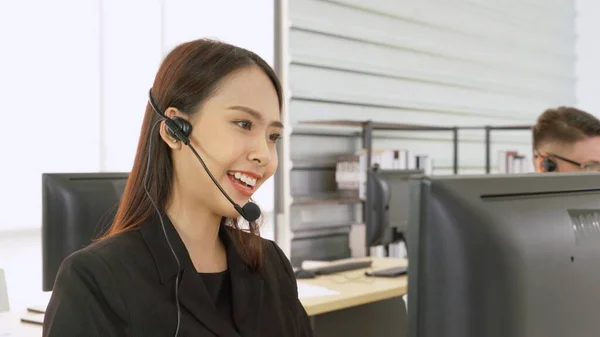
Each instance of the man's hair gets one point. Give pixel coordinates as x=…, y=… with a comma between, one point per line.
x=564, y=125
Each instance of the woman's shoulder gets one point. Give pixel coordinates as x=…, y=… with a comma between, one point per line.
x=105, y=252
x=87, y=291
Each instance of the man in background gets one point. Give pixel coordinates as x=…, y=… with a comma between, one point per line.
x=566, y=139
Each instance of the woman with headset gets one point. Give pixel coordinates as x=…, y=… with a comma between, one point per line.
x=175, y=261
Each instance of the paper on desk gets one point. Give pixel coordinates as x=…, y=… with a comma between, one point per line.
x=310, y=290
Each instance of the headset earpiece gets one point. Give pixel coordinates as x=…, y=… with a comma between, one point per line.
x=179, y=129
x=548, y=164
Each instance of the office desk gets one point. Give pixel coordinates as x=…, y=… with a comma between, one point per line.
x=11, y=322
x=365, y=306
x=355, y=288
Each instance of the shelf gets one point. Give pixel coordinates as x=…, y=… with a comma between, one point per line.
x=369, y=126
x=411, y=127
x=497, y=127
x=380, y=125
x=321, y=232
x=324, y=226
x=325, y=198
x=314, y=163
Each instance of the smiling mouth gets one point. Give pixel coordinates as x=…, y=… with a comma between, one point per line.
x=243, y=183
x=242, y=179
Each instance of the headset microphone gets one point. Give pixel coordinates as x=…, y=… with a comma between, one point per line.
x=181, y=129
x=250, y=211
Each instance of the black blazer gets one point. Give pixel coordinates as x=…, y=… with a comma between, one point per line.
x=124, y=286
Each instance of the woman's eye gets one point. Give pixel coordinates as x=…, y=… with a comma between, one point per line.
x=244, y=124
x=275, y=137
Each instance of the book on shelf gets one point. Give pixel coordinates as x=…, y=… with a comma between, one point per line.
x=351, y=169
x=511, y=161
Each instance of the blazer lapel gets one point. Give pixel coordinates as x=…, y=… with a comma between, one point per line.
x=246, y=287
x=192, y=293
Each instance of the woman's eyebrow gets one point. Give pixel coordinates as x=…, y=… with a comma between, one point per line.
x=255, y=114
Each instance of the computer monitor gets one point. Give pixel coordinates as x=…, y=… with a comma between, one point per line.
x=505, y=255
x=76, y=209
x=388, y=200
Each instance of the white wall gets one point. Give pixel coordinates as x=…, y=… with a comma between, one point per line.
x=49, y=89
x=588, y=55
x=74, y=79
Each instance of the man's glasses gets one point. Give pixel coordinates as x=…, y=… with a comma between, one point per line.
x=591, y=166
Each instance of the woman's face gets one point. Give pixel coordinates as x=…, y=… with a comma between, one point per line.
x=235, y=132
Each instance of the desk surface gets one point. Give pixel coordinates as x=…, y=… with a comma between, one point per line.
x=355, y=289
x=11, y=322
x=353, y=286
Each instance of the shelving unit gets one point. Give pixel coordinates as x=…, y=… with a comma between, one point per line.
x=368, y=128
x=329, y=198
x=488, y=139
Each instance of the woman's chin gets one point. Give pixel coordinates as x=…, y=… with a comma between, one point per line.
x=230, y=212
x=226, y=209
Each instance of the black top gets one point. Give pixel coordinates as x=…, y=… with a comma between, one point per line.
x=218, y=286
x=125, y=286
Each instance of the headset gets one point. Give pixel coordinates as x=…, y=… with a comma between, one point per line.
x=548, y=164
x=180, y=129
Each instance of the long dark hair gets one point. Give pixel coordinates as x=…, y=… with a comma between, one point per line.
x=188, y=76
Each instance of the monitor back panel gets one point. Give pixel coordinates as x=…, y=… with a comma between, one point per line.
x=77, y=209
x=499, y=260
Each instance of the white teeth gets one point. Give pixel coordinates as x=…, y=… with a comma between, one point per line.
x=244, y=178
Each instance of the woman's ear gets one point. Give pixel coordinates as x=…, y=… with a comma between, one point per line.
x=166, y=135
